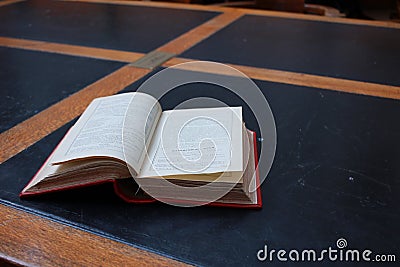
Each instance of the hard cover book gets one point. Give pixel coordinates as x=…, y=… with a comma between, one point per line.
x=150, y=154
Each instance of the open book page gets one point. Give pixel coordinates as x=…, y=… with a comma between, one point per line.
x=99, y=131
x=195, y=141
x=141, y=120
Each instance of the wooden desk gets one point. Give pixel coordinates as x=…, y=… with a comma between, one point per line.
x=69, y=228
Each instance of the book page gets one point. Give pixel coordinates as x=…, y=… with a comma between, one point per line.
x=99, y=131
x=195, y=141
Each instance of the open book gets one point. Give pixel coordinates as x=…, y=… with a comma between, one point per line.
x=178, y=156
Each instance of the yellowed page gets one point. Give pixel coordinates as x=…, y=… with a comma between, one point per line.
x=196, y=141
x=99, y=131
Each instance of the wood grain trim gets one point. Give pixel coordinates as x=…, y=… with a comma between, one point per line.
x=268, y=13
x=30, y=240
x=9, y=2
x=194, y=36
x=73, y=50
x=307, y=80
x=38, y=126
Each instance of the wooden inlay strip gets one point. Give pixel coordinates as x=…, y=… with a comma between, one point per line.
x=194, y=36
x=268, y=13
x=9, y=2
x=73, y=50
x=40, y=125
x=30, y=240
x=307, y=80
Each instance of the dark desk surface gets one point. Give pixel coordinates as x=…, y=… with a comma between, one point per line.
x=335, y=174
x=122, y=27
x=344, y=51
x=32, y=81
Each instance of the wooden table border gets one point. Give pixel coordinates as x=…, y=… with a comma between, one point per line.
x=44, y=238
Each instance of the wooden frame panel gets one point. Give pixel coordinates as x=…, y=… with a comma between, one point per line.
x=43, y=239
